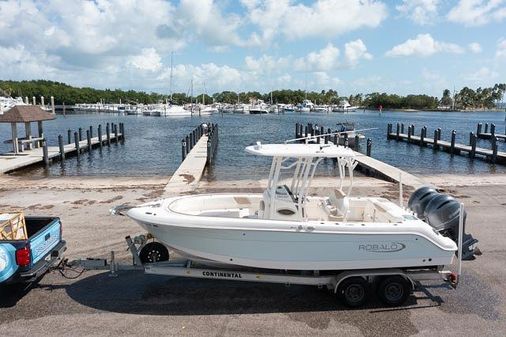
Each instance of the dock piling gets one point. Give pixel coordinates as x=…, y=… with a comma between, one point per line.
x=45, y=152
x=61, y=147
x=99, y=134
x=108, y=134
x=486, y=127
x=389, y=130
x=435, y=140
x=76, y=143
x=91, y=131
x=492, y=130
x=69, y=136
x=409, y=133
x=183, y=149
x=452, y=144
x=398, y=131
x=369, y=146
x=88, y=140
x=116, y=133
x=478, y=129
x=494, y=149
x=472, y=143
x=402, y=127
x=357, y=141
x=80, y=134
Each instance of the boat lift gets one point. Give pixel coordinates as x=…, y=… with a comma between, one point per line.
x=332, y=280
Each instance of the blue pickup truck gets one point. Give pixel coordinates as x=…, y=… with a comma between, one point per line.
x=26, y=261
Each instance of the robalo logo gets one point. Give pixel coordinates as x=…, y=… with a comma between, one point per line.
x=388, y=247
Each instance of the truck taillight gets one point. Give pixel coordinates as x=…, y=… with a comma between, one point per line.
x=23, y=256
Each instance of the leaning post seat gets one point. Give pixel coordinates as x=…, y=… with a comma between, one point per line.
x=339, y=204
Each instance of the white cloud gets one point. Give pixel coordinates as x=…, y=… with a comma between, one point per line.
x=323, y=80
x=423, y=45
x=477, y=12
x=475, y=47
x=501, y=49
x=266, y=63
x=324, y=18
x=209, y=24
x=354, y=51
x=148, y=59
x=325, y=59
x=221, y=77
x=20, y=63
x=421, y=12
x=483, y=74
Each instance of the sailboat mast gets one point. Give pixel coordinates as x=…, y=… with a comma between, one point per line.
x=171, y=73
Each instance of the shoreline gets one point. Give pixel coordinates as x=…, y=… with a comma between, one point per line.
x=9, y=183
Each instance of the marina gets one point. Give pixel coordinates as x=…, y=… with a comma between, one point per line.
x=221, y=168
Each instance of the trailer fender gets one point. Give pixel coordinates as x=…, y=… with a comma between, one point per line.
x=8, y=264
x=366, y=274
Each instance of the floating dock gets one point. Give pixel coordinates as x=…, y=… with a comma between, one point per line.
x=377, y=168
x=492, y=154
x=43, y=155
x=198, y=149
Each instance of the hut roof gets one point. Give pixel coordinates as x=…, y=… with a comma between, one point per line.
x=25, y=113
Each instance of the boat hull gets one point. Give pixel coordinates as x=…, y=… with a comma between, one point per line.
x=302, y=249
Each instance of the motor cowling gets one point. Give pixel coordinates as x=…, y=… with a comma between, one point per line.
x=442, y=212
x=420, y=198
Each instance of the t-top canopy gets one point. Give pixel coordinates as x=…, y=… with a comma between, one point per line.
x=300, y=150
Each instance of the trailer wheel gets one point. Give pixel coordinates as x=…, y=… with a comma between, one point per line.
x=394, y=290
x=353, y=291
x=154, y=252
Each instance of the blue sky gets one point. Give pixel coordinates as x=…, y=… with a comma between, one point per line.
x=352, y=46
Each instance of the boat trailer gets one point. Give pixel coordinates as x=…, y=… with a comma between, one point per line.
x=344, y=284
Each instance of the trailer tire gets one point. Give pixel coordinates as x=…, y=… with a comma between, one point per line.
x=353, y=291
x=394, y=290
x=154, y=252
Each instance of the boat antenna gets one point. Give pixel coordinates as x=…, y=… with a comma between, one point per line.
x=327, y=134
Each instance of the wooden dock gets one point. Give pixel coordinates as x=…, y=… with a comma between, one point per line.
x=10, y=162
x=198, y=150
x=377, y=168
x=489, y=134
x=452, y=147
x=366, y=163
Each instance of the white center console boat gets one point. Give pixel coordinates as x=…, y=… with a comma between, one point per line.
x=287, y=228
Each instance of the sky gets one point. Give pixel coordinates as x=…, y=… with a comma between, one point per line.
x=352, y=46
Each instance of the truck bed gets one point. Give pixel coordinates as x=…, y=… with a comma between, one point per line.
x=43, y=248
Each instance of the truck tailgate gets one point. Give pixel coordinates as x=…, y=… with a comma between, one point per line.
x=45, y=240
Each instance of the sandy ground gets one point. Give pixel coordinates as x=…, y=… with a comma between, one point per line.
x=134, y=304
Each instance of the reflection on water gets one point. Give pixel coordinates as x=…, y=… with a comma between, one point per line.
x=153, y=144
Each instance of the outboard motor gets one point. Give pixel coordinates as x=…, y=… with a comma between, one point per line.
x=420, y=198
x=442, y=212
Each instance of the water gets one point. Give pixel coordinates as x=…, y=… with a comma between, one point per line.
x=153, y=144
